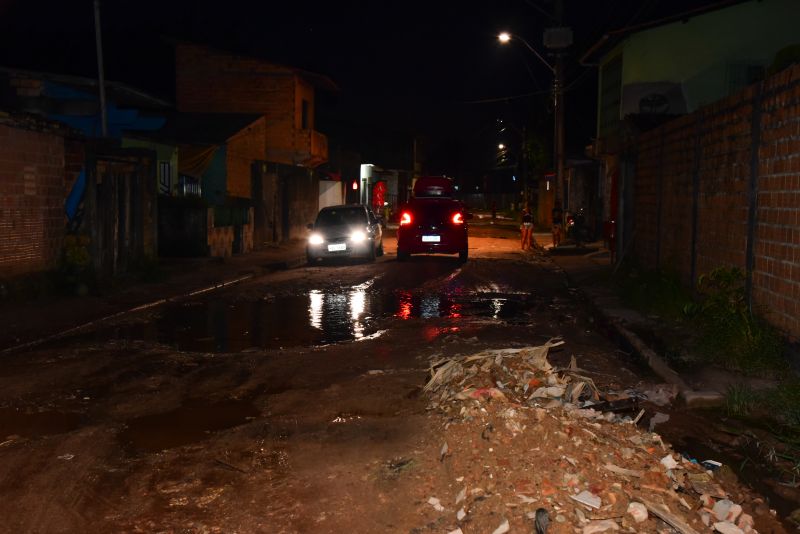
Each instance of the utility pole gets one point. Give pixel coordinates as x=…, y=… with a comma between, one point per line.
x=557, y=39
x=524, y=167
x=101, y=82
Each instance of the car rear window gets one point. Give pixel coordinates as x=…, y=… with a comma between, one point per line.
x=431, y=211
x=433, y=186
x=341, y=216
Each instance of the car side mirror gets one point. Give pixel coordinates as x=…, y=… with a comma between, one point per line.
x=310, y=226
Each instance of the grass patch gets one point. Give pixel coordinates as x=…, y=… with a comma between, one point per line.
x=783, y=403
x=653, y=292
x=739, y=400
x=733, y=336
x=720, y=326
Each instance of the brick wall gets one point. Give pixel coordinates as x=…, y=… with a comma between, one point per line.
x=207, y=80
x=244, y=149
x=33, y=187
x=692, y=193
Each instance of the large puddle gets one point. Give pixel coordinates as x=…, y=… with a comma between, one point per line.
x=190, y=423
x=315, y=318
x=34, y=424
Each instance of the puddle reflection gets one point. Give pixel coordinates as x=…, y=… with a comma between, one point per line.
x=316, y=318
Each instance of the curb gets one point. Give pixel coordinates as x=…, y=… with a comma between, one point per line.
x=690, y=397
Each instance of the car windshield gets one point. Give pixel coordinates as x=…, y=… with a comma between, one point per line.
x=341, y=217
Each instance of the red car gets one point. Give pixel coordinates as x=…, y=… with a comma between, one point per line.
x=433, y=221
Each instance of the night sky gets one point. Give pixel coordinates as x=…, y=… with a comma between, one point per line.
x=431, y=68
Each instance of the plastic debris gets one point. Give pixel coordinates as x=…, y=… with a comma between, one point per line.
x=727, y=528
x=600, y=526
x=588, y=498
x=503, y=528
x=726, y=510
x=618, y=475
x=711, y=465
x=669, y=462
x=433, y=501
x=657, y=419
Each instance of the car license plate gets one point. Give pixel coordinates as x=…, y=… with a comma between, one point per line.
x=430, y=239
x=337, y=247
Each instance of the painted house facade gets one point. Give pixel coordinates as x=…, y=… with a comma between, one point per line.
x=281, y=185
x=656, y=71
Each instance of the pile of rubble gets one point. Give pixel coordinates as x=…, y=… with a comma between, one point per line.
x=531, y=447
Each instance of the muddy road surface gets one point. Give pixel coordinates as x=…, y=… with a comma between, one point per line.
x=289, y=403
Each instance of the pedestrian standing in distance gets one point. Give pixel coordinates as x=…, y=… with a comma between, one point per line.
x=558, y=222
x=526, y=229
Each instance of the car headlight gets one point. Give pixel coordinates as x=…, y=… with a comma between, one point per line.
x=315, y=239
x=358, y=236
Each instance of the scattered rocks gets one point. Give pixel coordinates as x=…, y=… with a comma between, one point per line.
x=600, y=526
x=525, y=438
x=638, y=512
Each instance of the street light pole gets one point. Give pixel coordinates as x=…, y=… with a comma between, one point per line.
x=101, y=79
x=558, y=103
x=555, y=39
x=558, y=138
x=558, y=94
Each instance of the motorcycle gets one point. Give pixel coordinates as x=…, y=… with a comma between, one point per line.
x=576, y=228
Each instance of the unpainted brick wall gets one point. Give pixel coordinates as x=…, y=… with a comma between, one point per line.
x=33, y=188
x=244, y=149
x=703, y=162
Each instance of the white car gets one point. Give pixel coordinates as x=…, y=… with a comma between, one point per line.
x=349, y=231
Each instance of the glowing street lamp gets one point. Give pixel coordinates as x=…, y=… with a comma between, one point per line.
x=506, y=37
x=501, y=146
x=558, y=106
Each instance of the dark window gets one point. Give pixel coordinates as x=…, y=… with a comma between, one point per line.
x=304, y=115
x=164, y=177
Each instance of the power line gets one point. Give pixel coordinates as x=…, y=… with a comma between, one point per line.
x=506, y=98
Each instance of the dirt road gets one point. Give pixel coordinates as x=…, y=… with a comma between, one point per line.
x=293, y=403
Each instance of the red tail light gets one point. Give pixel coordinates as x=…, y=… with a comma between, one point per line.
x=458, y=218
x=405, y=218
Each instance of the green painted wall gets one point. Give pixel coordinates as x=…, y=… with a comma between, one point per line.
x=707, y=53
x=163, y=153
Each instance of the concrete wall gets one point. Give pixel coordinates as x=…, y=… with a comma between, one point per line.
x=721, y=187
x=703, y=52
x=221, y=238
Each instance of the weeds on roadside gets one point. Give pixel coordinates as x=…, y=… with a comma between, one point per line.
x=732, y=336
x=655, y=292
x=784, y=403
x=739, y=400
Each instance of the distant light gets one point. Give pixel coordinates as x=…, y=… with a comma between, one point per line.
x=513, y=178
x=504, y=37
x=477, y=188
x=355, y=185
x=501, y=146
x=548, y=185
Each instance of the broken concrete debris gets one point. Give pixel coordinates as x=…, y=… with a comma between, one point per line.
x=527, y=441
